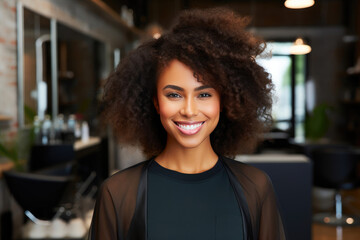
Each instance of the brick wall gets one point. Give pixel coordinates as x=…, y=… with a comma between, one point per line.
x=8, y=66
x=8, y=93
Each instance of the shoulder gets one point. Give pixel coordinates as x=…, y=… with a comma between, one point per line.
x=248, y=176
x=244, y=169
x=125, y=179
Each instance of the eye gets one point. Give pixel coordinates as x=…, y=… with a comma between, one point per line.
x=173, y=95
x=204, y=95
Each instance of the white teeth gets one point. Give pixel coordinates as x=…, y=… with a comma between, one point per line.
x=190, y=127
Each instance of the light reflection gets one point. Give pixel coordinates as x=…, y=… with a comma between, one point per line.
x=349, y=220
x=339, y=233
x=326, y=219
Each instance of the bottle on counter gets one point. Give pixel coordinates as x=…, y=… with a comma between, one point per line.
x=46, y=131
x=77, y=130
x=69, y=135
x=37, y=130
x=85, y=133
x=59, y=127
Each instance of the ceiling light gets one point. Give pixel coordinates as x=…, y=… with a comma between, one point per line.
x=298, y=4
x=299, y=47
x=156, y=35
x=154, y=30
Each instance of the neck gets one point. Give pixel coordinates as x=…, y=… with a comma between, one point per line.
x=188, y=160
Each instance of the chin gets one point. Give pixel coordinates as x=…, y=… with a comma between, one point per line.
x=190, y=143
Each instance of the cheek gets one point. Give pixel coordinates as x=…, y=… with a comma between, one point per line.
x=212, y=110
x=166, y=109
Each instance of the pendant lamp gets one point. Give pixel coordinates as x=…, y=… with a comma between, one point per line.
x=299, y=47
x=298, y=4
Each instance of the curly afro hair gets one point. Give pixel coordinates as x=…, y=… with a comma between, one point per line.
x=215, y=44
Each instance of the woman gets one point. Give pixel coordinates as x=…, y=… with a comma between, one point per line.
x=190, y=98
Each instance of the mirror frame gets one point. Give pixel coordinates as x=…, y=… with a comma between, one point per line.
x=20, y=61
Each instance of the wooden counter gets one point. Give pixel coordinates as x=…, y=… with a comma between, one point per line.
x=79, y=145
x=5, y=167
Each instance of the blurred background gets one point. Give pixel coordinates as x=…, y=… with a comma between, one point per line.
x=55, y=57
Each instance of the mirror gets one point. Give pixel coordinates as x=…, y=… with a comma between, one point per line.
x=62, y=69
x=81, y=62
x=36, y=71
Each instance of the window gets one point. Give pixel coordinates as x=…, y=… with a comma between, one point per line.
x=288, y=74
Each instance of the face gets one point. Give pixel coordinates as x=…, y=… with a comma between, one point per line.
x=188, y=109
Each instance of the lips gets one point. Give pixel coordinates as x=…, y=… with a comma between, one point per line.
x=189, y=128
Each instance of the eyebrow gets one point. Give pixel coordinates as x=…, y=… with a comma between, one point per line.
x=181, y=89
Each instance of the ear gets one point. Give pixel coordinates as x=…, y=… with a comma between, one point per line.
x=156, y=104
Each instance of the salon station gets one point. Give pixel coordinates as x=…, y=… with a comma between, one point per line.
x=56, y=150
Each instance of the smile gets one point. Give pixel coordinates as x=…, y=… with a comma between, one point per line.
x=189, y=128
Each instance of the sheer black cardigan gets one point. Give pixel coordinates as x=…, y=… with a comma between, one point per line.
x=120, y=211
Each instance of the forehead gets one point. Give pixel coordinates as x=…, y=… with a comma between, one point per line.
x=177, y=73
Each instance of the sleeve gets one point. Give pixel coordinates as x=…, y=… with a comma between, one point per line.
x=104, y=221
x=271, y=226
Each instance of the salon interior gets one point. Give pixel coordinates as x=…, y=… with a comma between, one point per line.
x=55, y=151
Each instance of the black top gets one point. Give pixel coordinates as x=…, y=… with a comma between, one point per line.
x=192, y=206
x=121, y=207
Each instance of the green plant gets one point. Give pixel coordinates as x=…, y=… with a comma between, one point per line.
x=10, y=150
x=29, y=114
x=17, y=149
x=318, y=122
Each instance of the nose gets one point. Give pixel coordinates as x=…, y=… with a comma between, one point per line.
x=189, y=108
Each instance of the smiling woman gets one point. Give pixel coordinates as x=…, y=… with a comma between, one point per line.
x=190, y=98
x=221, y=54
x=189, y=111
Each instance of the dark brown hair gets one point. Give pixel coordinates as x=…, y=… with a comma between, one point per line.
x=215, y=44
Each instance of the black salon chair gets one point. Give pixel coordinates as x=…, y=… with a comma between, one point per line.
x=336, y=168
x=45, y=156
x=39, y=192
